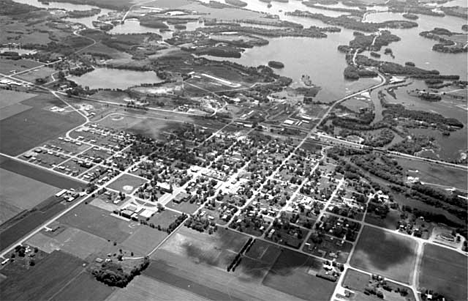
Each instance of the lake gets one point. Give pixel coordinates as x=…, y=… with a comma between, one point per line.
x=114, y=78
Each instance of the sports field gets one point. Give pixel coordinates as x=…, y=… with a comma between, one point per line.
x=127, y=183
x=294, y=273
x=99, y=222
x=36, y=125
x=143, y=288
x=385, y=253
x=83, y=287
x=43, y=280
x=444, y=271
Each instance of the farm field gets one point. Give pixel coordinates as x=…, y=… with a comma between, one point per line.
x=27, y=224
x=84, y=287
x=13, y=192
x=444, y=271
x=38, y=174
x=358, y=282
x=44, y=280
x=294, y=273
x=182, y=262
x=385, y=253
x=99, y=222
x=143, y=288
x=32, y=127
x=435, y=174
x=10, y=102
x=41, y=72
x=144, y=240
x=72, y=241
x=6, y=66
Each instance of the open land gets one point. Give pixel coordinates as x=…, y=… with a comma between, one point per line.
x=385, y=253
x=84, y=287
x=98, y=222
x=15, y=198
x=444, y=271
x=32, y=127
x=44, y=280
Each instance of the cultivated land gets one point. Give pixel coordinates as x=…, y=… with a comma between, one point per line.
x=41, y=175
x=45, y=280
x=444, y=271
x=144, y=288
x=84, y=287
x=432, y=173
x=32, y=127
x=72, y=241
x=99, y=222
x=23, y=192
x=144, y=240
x=295, y=274
x=385, y=253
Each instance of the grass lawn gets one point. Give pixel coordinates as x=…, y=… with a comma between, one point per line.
x=355, y=280
x=186, y=207
x=290, y=274
x=126, y=183
x=164, y=218
x=13, y=192
x=98, y=222
x=44, y=280
x=84, y=287
x=144, y=288
x=444, y=271
x=32, y=127
x=385, y=253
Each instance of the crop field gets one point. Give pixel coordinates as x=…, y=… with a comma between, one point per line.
x=42, y=72
x=10, y=103
x=98, y=222
x=444, y=271
x=73, y=241
x=385, y=253
x=6, y=66
x=435, y=174
x=294, y=273
x=215, y=250
x=38, y=174
x=32, y=127
x=186, y=274
x=126, y=183
x=27, y=224
x=144, y=240
x=143, y=288
x=13, y=192
x=84, y=287
x=44, y=280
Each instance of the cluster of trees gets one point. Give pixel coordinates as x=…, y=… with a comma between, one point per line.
x=112, y=273
x=373, y=42
x=354, y=73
